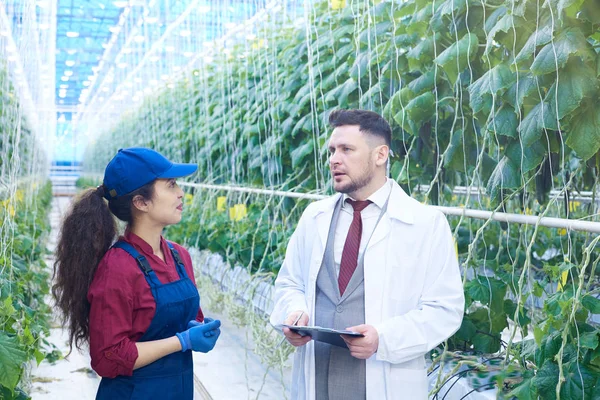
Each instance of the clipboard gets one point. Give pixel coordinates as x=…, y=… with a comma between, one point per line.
x=325, y=335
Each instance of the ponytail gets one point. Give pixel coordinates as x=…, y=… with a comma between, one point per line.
x=87, y=232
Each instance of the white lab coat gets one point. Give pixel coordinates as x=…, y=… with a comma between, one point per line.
x=413, y=293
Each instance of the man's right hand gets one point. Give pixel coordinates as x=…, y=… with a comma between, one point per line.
x=294, y=338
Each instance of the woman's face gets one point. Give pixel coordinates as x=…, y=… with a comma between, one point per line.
x=166, y=205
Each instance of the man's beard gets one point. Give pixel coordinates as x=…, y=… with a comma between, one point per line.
x=363, y=180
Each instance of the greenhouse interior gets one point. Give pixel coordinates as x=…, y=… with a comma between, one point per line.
x=231, y=128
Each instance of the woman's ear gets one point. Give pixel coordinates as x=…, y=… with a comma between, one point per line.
x=140, y=203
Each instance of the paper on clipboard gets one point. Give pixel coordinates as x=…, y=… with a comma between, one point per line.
x=326, y=335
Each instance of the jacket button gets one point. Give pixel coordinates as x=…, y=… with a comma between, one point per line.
x=339, y=309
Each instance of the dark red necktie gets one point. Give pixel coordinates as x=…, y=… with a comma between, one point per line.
x=352, y=245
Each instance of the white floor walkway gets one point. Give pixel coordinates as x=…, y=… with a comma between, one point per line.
x=227, y=372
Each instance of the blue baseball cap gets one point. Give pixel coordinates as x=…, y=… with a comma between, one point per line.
x=135, y=167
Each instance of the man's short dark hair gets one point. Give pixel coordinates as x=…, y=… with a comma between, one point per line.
x=368, y=121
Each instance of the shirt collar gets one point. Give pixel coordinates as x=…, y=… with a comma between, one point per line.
x=378, y=198
x=141, y=244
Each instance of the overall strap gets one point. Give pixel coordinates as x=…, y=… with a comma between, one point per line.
x=141, y=261
x=180, y=265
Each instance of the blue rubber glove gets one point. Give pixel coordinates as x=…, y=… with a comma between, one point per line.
x=207, y=320
x=200, y=336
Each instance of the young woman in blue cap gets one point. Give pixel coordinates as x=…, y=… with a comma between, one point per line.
x=135, y=301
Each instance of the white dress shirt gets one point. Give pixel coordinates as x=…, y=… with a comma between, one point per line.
x=369, y=215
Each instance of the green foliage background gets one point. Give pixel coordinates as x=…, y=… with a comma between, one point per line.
x=498, y=95
x=24, y=208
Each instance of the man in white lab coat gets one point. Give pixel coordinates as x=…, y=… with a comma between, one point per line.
x=386, y=268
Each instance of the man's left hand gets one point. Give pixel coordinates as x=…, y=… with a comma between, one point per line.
x=362, y=347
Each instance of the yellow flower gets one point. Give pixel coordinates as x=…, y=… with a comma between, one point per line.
x=11, y=210
x=19, y=195
x=338, y=4
x=188, y=198
x=562, y=231
x=528, y=211
x=573, y=206
x=563, y=280
x=238, y=212
x=221, y=203
x=258, y=44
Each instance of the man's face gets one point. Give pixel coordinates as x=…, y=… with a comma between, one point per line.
x=350, y=159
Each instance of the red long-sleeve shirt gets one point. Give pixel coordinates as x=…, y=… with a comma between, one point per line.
x=122, y=305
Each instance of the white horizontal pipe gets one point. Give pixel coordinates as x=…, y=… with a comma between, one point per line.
x=585, y=196
x=255, y=191
x=549, y=222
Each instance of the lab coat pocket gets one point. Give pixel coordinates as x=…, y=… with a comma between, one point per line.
x=404, y=281
x=407, y=384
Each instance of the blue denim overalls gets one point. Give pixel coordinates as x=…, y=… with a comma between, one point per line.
x=172, y=376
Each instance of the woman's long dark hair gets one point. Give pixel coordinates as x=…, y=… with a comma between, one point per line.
x=87, y=232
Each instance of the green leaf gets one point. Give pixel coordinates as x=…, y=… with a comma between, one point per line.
x=8, y=308
x=510, y=308
x=506, y=175
x=488, y=291
x=405, y=40
x=397, y=103
x=486, y=343
x=11, y=361
x=591, y=303
x=523, y=87
x=529, y=157
x=579, y=382
x=538, y=290
x=467, y=330
x=532, y=125
x=360, y=67
x=375, y=33
x=346, y=89
x=422, y=53
x=589, y=340
x=423, y=83
x=503, y=25
x=584, y=136
x=504, y=123
x=577, y=81
x=418, y=110
x=455, y=156
x=445, y=12
x=419, y=22
x=561, y=5
x=456, y=58
x=495, y=81
x=39, y=356
x=538, y=334
x=546, y=379
x=571, y=41
x=300, y=152
x=538, y=38
x=596, y=390
x=524, y=391
x=494, y=17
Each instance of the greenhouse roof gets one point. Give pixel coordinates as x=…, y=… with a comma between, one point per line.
x=83, y=30
x=99, y=42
